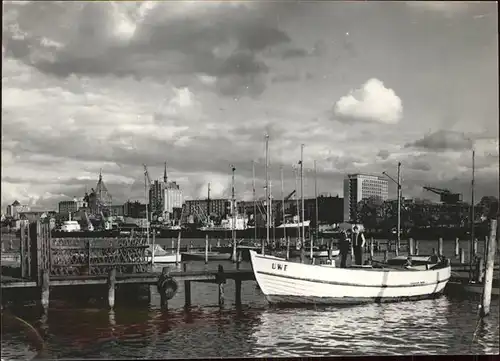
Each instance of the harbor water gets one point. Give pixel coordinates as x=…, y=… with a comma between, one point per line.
x=447, y=325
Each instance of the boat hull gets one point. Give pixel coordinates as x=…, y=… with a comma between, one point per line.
x=168, y=258
x=200, y=256
x=284, y=282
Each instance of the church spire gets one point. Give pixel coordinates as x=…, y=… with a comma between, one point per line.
x=165, y=174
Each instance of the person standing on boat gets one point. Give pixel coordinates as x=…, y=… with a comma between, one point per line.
x=358, y=243
x=344, y=248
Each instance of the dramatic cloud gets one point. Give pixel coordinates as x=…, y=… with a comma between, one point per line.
x=373, y=102
x=443, y=140
x=112, y=85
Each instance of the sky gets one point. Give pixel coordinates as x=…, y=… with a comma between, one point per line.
x=363, y=85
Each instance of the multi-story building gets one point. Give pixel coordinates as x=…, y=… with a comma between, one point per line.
x=362, y=186
x=200, y=209
x=116, y=210
x=72, y=206
x=173, y=198
x=14, y=209
x=134, y=210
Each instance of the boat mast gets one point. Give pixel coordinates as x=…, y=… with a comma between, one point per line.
x=471, y=250
x=233, y=213
x=267, y=195
x=254, y=204
x=283, y=204
x=399, y=206
x=146, y=201
x=302, y=191
x=316, y=198
x=296, y=175
x=208, y=205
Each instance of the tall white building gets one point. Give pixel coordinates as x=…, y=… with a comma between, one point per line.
x=173, y=198
x=362, y=186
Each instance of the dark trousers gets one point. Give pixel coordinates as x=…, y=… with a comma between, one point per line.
x=343, y=259
x=358, y=255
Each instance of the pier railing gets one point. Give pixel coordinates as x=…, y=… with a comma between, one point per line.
x=78, y=256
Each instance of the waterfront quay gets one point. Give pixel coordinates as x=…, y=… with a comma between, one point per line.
x=109, y=267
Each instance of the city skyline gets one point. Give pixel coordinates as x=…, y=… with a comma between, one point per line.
x=127, y=84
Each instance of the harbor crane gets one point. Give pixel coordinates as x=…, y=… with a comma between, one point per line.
x=446, y=196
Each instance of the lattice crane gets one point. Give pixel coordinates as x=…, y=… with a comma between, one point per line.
x=446, y=196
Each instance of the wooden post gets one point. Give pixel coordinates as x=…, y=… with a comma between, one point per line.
x=88, y=254
x=187, y=293
x=178, y=253
x=221, y=294
x=11, y=245
x=457, y=247
x=165, y=273
x=330, y=250
x=288, y=247
x=238, y=259
x=173, y=244
x=371, y=248
x=474, y=249
x=322, y=241
x=490, y=264
x=462, y=256
x=184, y=267
x=386, y=255
x=440, y=246
x=417, y=248
x=434, y=251
x=206, y=248
x=22, y=251
x=111, y=287
x=377, y=245
x=153, y=247
x=45, y=290
x=238, y=292
x=410, y=247
x=479, y=270
x=396, y=248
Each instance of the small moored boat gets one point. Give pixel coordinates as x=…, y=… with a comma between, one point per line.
x=287, y=282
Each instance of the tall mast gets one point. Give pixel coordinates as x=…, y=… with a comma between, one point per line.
x=254, y=204
x=296, y=175
x=268, y=213
x=399, y=206
x=472, y=207
x=233, y=213
x=147, y=203
x=208, y=203
x=283, y=204
x=302, y=191
x=316, y=198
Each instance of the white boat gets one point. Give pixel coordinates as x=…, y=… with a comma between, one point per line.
x=287, y=282
x=70, y=226
x=295, y=224
x=161, y=256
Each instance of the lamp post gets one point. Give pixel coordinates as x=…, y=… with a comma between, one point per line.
x=398, y=183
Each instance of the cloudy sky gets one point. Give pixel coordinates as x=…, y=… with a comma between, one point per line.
x=363, y=85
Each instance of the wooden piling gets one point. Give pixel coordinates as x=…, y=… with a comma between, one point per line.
x=45, y=290
x=184, y=266
x=11, y=245
x=434, y=251
x=457, y=247
x=187, y=293
x=173, y=244
x=440, y=246
x=111, y=287
x=386, y=255
x=396, y=248
x=161, y=286
x=462, y=256
x=474, y=248
x=490, y=264
x=238, y=292
x=221, y=294
x=206, y=248
x=322, y=241
x=288, y=247
x=410, y=247
x=371, y=248
x=311, y=253
x=22, y=251
x=417, y=247
x=178, y=253
x=479, y=270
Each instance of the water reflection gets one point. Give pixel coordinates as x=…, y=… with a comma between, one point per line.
x=378, y=329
